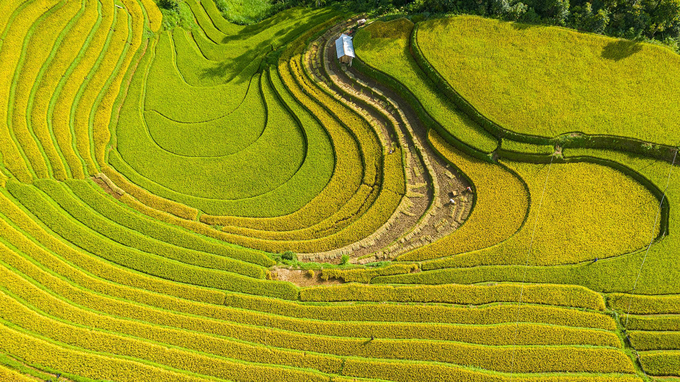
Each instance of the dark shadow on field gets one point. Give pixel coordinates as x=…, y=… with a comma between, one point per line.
x=297, y=28
x=242, y=68
x=237, y=70
x=523, y=26
x=620, y=49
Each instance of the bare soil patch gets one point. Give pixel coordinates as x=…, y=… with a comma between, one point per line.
x=301, y=277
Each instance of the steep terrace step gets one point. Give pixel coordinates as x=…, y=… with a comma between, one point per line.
x=427, y=213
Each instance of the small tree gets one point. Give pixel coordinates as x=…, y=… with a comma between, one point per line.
x=344, y=259
x=168, y=4
x=288, y=255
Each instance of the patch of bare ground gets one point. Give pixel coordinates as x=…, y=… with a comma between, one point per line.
x=106, y=187
x=301, y=277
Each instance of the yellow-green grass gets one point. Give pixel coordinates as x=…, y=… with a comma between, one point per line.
x=661, y=322
x=9, y=374
x=562, y=295
x=662, y=363
x=584, y=203
x=312, y=176
x=648, y=340
x=41, y=301
x=357, y=205
x=194, y=67
x=549, y=81
x=417, y=372
x=364, y=275
x=153, y=14
x=98, y=200
x=494, y=334
x=224, y=68
x=271, y=337
x=510, y=145
x=347, y=176
x=63, y=310
x=222, y=136
x=239, y=44
x=13, y=156
x=428, y=313
x=144, y=200
x=364, y=134
x=71, y=230
x=560, y=358
x=39, y=40
x=65, y=100
x=24, y=229
x=30, y=371
x=191, y=310
x=7, y=10
x=162, y=354
x=39, y=73
x=392, y=186
x=38, y=350
x=120, y=234
x=96, y=79
x=623, y=273
x=217, y=18
x=501, y=203
x=262, y=167
x=68, y=55
x=240, y=323
x=100, y=116
x=169, y=94
x=640, y=304
x=367, y=222
x=385, y=46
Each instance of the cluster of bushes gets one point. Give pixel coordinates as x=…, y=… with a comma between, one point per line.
x=648, y=20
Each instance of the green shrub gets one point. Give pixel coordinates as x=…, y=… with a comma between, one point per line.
x=288, y=255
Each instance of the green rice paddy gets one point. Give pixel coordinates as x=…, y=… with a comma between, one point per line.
x=206, y=194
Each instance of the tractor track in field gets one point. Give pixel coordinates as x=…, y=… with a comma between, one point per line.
x=425, y=213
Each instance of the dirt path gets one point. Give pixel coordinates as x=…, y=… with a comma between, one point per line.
x=301, y=277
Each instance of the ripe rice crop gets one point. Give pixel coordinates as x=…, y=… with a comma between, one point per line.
x=645, y=304
x=385, y=46
x=58, y=221
x=392, y=312
x=490, y=221
x=459, y=294
x=662, y=363
x=593, y=203
x=363, y=275
x=531, y=80
x=664, y=340
x=209, y=143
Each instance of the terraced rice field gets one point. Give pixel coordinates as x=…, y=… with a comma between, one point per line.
x=229, y=202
